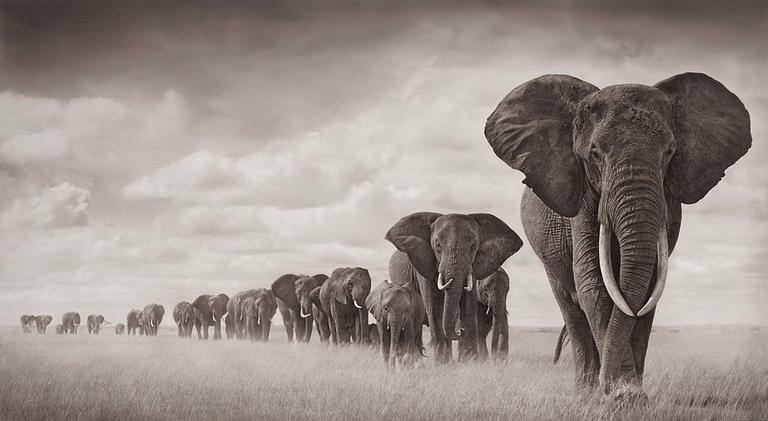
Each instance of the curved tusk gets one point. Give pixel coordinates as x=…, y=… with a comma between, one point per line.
x=303, y=316
x=604, y=245
x=662, y=263
x=356, y=304
x=440, y=284
x=388, y=281
x=488, y=311
x=470, y=282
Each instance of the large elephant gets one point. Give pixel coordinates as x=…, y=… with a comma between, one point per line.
x=342, y=298
x=42, y=322
x=607, y=170
x=71, y=321
x=441, y=256
x=399, y=313
x=492, y=314
x=153, y=316
x=26, y=322
x=184, y=317
x=210, y=310
x=119, y=329
x=295, y=304
x=94, y=322
x=257, y=311
x=135, y=321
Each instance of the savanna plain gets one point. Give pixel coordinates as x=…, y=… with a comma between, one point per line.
x=692, y=373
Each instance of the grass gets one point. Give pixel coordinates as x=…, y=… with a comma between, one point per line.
x=693, y=373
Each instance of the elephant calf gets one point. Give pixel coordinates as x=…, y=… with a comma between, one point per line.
x=119, y=329
x=399, y=314
x=94, y=323
x=492, y=314
x=59, y=329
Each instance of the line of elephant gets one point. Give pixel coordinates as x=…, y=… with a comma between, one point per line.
x=607, y=171
x=70, y=322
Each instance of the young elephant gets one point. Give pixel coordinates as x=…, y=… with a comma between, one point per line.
x=135, y=322
x=119, y=329
x=399, y=314
x=492, y=314
x=71, y=321
x=343, y=298
x=373, y=334
x=42, y=322
x=184, y=317
x=295, y=303
x=257, y=311
x=59, y=329
x=94, y=323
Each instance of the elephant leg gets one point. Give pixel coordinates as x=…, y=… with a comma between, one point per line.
x=483, y=328
x=217, y=329
x=205, y=328
x=338, y=324
x=468, y=341
x=638, y=343
x=181, y=333
x=325, y=332
x=308, y=329
x=585, y=355
x=198, y=326
x=433, y=304
x=385, y=343
x=503, y=349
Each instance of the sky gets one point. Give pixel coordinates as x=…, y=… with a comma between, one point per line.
x=152, y=152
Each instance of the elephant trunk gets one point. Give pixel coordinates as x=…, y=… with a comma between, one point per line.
x=451, y=310
x=265, y=325
x=499, y=307
x=395, y=329
x=638, y=218
x=363, y=325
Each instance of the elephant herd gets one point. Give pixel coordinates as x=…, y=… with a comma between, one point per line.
x=70, y=321
x=606, y=172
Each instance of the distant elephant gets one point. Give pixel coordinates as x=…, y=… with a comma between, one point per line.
x=235, y=307
x=399, y=313
x=295, y=304
x=71, y=321
x=441, y=256
x=607, y=170
x=94, y=322
x=342, y=298
x=257, y=312
x=229, y=323
x=210, y=310
x=492, y=314
x=562, y=340
x=119, y=329
x=184, y=317
x=152, y=317
x=42, y=322
x=59, y=329
x=26, y=322
x=135, y=321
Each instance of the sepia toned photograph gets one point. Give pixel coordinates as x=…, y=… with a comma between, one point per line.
x=383, y=210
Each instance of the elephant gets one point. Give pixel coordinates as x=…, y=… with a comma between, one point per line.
x=492, y=314
x=342, y=299
x=119, y=329
x=59, y=329
x=296, y=306
x=42, y=322
x=184, y=317
x=94, y=322
x=135, y=321
x=153, y=316
x=71, y=321
x=607, y=171
x=257, y=311
x=374, y=339
x=399, y=313
x=210, y=310
x=229, y=324
x=562, y=340
x=26, y=322
x=441, y=256
x=235, y=307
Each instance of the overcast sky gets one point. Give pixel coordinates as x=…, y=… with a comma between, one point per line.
x=154, y=153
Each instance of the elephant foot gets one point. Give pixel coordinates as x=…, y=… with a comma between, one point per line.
x=625, y=395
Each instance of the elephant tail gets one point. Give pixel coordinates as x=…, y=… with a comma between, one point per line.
x=561, y=340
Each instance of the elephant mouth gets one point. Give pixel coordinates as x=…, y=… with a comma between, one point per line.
x=662, y=256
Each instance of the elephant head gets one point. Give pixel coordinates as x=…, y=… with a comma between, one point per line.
x=629, y=155
x=351, y=286
x=453, y=250
x=295, y=291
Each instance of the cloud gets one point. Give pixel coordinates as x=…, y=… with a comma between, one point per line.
x=63, y=205
x=213, y=221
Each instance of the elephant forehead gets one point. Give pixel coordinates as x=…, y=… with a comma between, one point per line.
x=629, y=95
x=456, y=227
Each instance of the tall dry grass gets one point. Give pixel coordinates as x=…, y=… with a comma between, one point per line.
x=691, y=374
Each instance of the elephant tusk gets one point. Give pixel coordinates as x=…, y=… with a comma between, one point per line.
x=662, y=263
x=604, y=246
x=440, y=284
x=303, y=316
x=356, y=304
x=388, y=281
x=488, y=311
x=470, y=282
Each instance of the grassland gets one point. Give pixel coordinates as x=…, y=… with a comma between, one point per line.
x=693, y=373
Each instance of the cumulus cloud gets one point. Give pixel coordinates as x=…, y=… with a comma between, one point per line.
x=63, y=205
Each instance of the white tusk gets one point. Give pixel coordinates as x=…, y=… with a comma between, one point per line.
x=301, y=311
x=440, y=284
x=488, y=311
x=662, y=256
x=604, y=246
x=470, y=282
x=356, y=304
x=388, y=281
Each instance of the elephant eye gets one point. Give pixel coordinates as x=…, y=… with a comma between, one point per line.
x=594, y=155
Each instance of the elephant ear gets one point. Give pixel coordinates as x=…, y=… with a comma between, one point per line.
x=373, y=301
x=711, y=127
x=284, y=288
x=337, y=284
x=497, y=243
x=314, y=298
x=532, y=131
x=412, y=235
x=320, y=278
